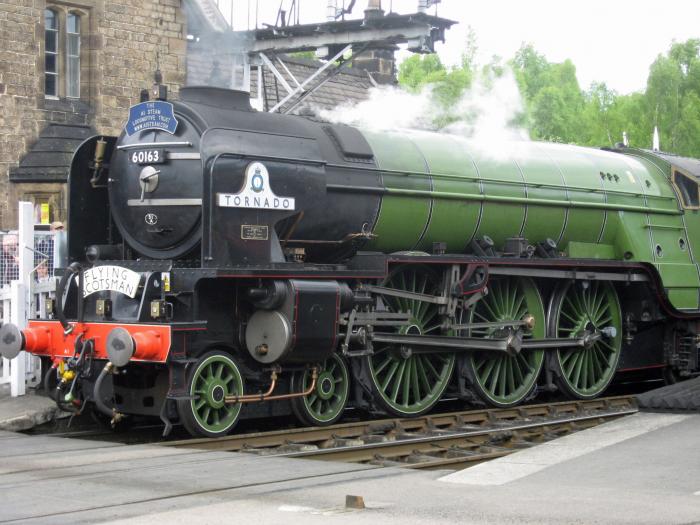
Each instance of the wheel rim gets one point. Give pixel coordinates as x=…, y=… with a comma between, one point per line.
x=588, y=371
x=214, y=378
x=503, y=379
x=408, y=383
x=330, y=396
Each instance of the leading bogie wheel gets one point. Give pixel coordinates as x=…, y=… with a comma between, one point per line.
x=326, y=402
x=586, y=309
x=214, y=376
x=403, y=382
x=501, y=379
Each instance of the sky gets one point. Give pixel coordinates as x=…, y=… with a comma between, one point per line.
x=612, y=41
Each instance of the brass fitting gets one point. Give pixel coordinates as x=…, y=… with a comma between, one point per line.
x=529, y=321
x=67, y=376
x=116, y=418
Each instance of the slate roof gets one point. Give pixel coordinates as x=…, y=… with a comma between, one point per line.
x=49, y=158
x=349, y=85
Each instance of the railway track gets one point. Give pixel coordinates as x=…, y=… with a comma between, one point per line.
x=448, y=440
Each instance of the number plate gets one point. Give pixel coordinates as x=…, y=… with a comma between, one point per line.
x=147, y=156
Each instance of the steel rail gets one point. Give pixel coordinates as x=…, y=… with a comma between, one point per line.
x=402, y=446
x=492, y=420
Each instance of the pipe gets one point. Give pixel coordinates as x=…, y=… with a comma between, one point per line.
x=253, y=398
x=112, y=413
x=47, y=378
x=73, y=269
x=60, y=402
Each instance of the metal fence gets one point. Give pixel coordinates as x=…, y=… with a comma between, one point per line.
x=44, y=256
x=27, y=263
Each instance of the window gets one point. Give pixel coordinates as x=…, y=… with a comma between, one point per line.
x=50, y=53
x=687, y=188
x=62, y=43
x=73, y=55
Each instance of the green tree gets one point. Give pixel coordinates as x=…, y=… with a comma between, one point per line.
x=553, y=99
x=555, y=107
x=672, y=92
x=418, y=70
x=447, y=85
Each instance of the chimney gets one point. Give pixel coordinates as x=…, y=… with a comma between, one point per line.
x=655, y=146
x=374, y=9
x=378, y=62
x=331, y=10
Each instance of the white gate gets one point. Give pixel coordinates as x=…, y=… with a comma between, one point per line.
x=26, y=280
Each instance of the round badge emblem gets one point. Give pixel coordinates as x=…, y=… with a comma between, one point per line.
x=257, y=183
x=151, y=219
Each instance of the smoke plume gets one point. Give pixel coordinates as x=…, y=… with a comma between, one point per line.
x=486, y=112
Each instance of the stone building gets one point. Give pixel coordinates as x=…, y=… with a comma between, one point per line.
x=69, y=70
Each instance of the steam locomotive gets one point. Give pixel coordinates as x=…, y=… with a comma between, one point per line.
x=229, y=263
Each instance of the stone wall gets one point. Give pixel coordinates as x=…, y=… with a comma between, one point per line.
x=123, y=41
x=20, y=33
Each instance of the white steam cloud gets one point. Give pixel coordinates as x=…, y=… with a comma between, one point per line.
x=484, y=113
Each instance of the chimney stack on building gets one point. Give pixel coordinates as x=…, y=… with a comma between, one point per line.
x=379, y=62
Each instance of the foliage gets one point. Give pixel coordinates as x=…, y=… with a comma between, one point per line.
x=447, y=85
x=557, y=109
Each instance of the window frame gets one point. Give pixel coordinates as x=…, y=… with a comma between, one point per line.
x=56, y=30
x=61, y=14
x=68, y=57
x=676, y=171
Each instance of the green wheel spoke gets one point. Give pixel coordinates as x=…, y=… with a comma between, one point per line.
x=602, y=322
x=601, y=358
x=431, y=367
x=509, y=374
x=502, y=378
x=599, y=303
x=517, y=371
x=415, y=386
x=584, y=368
x=406, y=382
x=490, y=315
x=494, y=376
x=397, y=383
x=384, y=364
x=590, y=369
x=571, y=317
x=422, y=375
x=607, y=345
x=390, y=375
x=481, y=317
x=490, y=364
x=575, y=358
